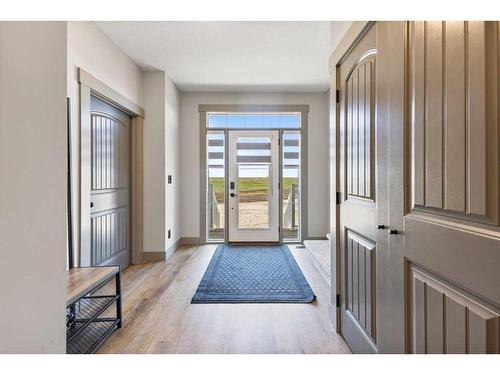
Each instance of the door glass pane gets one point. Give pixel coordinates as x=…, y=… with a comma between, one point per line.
x=215, y=186
x=291, y=186
x=253, y=196
x=254, y=120
x=254, y=161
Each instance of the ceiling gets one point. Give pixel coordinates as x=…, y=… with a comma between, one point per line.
x=230, y=56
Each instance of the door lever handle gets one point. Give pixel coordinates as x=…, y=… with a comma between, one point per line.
x=233, y=195
x=394, y=231
x=381, y=226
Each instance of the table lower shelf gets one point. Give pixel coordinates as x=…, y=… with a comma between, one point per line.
x=92, y=336
x=90, y=316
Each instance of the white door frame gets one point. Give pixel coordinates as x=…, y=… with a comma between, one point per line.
x=237, y=234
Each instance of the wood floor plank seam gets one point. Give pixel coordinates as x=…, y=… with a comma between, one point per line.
x=159, y=318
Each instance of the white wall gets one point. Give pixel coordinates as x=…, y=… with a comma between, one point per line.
x=337, y=32
x=33, y=186
x=161, y=158
x=172, y=161
x=154, y=162
x=318, y=146
x=90, y=49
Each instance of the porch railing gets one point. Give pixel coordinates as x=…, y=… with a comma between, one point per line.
x=213, y=209
x=290, y=210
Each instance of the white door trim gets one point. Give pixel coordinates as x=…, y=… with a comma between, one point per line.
x=237, y=234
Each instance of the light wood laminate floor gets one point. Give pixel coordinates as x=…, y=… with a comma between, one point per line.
x=158, y=316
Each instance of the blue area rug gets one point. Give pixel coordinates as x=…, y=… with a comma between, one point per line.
x=253, y=274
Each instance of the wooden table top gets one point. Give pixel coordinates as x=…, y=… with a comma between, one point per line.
x=81, y=280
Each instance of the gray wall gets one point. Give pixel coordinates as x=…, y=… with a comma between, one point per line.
x=33, y=186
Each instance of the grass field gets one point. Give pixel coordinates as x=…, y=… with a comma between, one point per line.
x=253, y=189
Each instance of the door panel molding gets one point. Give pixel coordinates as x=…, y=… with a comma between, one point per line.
x=114, y=222
x=360, y=108
x=444, y=318
x=360, y=297
x=359, y=341
x=453, y=136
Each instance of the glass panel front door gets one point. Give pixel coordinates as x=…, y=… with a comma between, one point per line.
x=253, y=176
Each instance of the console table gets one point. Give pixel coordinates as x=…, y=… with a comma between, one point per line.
x=89, y=321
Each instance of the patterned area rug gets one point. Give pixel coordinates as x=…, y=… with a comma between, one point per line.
x=253, y=274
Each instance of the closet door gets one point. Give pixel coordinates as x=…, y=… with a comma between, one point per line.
x=362, y=176
x=109, y=219
x=444, y=202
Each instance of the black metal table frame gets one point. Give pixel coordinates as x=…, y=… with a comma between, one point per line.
x=71, y=337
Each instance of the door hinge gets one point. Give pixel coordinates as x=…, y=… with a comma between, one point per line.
x=337, y=197
x=337, y=96
x=337, y=300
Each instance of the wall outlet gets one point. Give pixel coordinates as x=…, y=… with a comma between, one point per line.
x=169, y=234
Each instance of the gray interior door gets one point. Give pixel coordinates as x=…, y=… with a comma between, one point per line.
x=444, y=188
x=110, y=185
x=361, y=175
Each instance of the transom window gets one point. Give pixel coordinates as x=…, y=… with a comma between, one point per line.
x=253, y=120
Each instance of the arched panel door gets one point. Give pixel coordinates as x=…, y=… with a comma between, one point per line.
x=109, y=186
x=362, y=172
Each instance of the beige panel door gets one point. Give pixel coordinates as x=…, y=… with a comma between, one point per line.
x=361, y=174
x=110, y=185
x=444, y=188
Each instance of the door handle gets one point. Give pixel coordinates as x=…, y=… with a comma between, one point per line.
x=381, y=226
x=394, y=231
x=91, y=204
x=233, y=195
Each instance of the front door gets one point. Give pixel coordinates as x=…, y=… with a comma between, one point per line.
x=362, y=176
x=110, y=182
x=253, y=177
